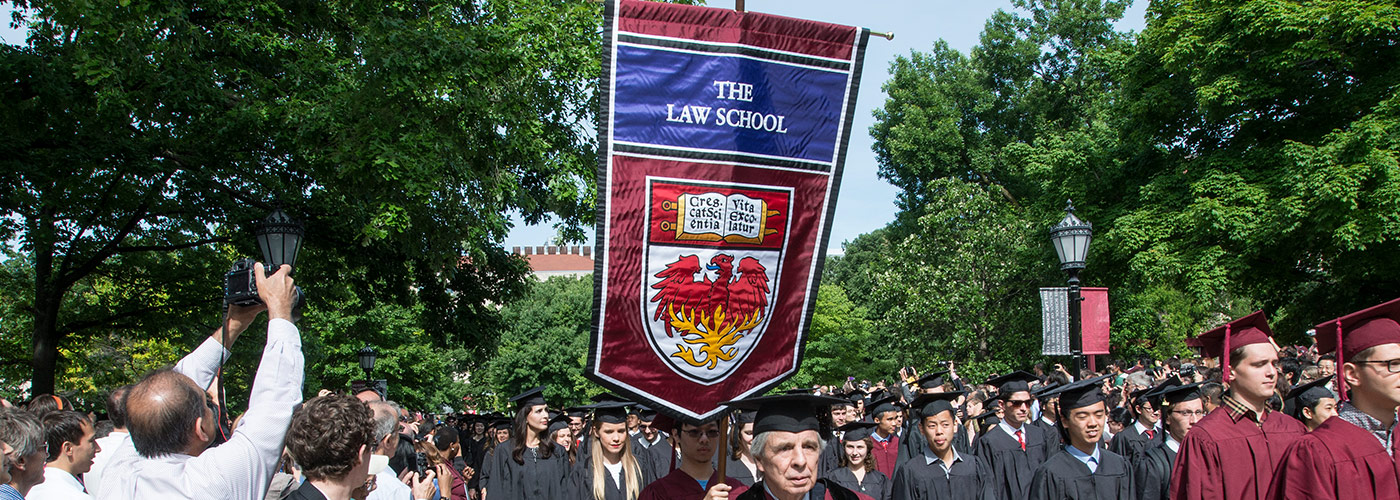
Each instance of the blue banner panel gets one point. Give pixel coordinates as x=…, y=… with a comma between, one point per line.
x=724, y=103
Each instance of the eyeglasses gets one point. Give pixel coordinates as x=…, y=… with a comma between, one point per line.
x=695, y=434
x=1392, y=365
x=1188, y=413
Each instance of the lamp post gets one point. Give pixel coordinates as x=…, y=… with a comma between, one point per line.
x=1071, y=237
x=279, y=237
x=367, y=357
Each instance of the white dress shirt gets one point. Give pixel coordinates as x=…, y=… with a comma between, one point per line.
x=108, y=444
x=241, y=468
x=58, y=485
x=387, y=486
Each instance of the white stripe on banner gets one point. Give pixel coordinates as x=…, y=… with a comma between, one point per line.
x=1054, y=317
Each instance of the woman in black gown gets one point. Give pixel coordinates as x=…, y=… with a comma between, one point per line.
x=741, y=465
x=529, y=465
x=858, y=471
x=609, y=471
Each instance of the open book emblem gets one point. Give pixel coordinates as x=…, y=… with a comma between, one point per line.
x=714, y=254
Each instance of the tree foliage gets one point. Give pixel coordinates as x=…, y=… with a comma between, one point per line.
x=144, y=137
x=545, y=342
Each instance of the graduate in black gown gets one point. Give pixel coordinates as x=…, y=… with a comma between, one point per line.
x=1082, y=470
x=857, y=471
x=610, y=471
x=529, y=465
x=740, y=465
x=1013, y=448
x=940, y=471
x=1311, y=403
x=1048, y=409
x=1181, y=408
x=913, y=441
x=1143, y=433
x=650, y=445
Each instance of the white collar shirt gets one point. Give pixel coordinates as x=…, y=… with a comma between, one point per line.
x=387, y=486
x=1011, y=431
x=108, y=445
x=241, y=468
x=58, y=485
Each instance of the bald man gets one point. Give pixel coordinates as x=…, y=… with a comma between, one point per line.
x=172, y=420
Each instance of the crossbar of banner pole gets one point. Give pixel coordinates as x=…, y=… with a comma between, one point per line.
x=739, y=6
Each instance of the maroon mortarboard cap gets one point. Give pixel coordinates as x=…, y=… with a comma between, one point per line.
x=1217, y=343
x=1358, y=331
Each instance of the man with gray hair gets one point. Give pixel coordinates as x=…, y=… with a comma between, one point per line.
x=388, y=486
x=22, y=431
x=787, y=446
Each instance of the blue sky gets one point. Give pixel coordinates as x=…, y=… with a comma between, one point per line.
x=866, y=203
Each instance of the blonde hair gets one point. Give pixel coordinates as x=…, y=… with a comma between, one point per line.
x=631, y=471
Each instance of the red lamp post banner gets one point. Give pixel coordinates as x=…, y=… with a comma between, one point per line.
x=722, y=137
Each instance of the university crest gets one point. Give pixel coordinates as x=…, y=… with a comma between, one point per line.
x=714, y=252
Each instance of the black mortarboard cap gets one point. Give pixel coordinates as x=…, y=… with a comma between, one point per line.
x=788, y=412
x=532, y=397
x=888, y=403
x=855, y=396
x=609, y=412
x=932, y=379
x=559, y=422
x=501, y=423
x=1154, y=394
x=988, y=418
x=1045, y=392
x=644, y=414
x=1080, y=394
x=1012, y=383
x=577, y=411
x=856, y=431
x=1307, y=396
x=1173, y=394
x=928, y=405
x=743, y=417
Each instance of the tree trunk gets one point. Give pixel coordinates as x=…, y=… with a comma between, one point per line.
x=46, y=338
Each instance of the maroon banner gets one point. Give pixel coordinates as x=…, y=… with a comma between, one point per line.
x=722, y=137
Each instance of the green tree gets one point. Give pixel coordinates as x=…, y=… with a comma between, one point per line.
x=842, y=342
x=143, y=136
x=546, y=343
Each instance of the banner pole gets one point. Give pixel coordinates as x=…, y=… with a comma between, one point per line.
x=723, y=457
x=739, y=6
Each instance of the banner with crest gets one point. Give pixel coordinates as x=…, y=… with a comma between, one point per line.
x=722, y=136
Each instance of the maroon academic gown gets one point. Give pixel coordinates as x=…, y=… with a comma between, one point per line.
x=1228, y=459
x=885, y=454
x=1338, y=460
x=680, y=486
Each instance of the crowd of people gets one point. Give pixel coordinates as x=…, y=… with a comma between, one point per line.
x=1244, y=419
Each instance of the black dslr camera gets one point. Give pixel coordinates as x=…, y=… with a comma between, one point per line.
x=241, y=287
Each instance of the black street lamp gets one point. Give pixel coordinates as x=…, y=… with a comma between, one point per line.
x=367, y=357
x=1071, y=237
x=279, y=237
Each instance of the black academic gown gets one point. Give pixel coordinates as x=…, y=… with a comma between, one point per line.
x=825, y=489
x=968, y=479
x=1052, y=433
x=657, y=457
x=1012, y=468
x=736, y=470
x=1130, y=443
x=1152, y=473
x=535, y=479
x=581, y=482
x=830, y=459
x=474, y=453
x=874, y=484
x=1064, y=477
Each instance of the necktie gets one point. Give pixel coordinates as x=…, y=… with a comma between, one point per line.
x=1021, y=440
x=1150, y=434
